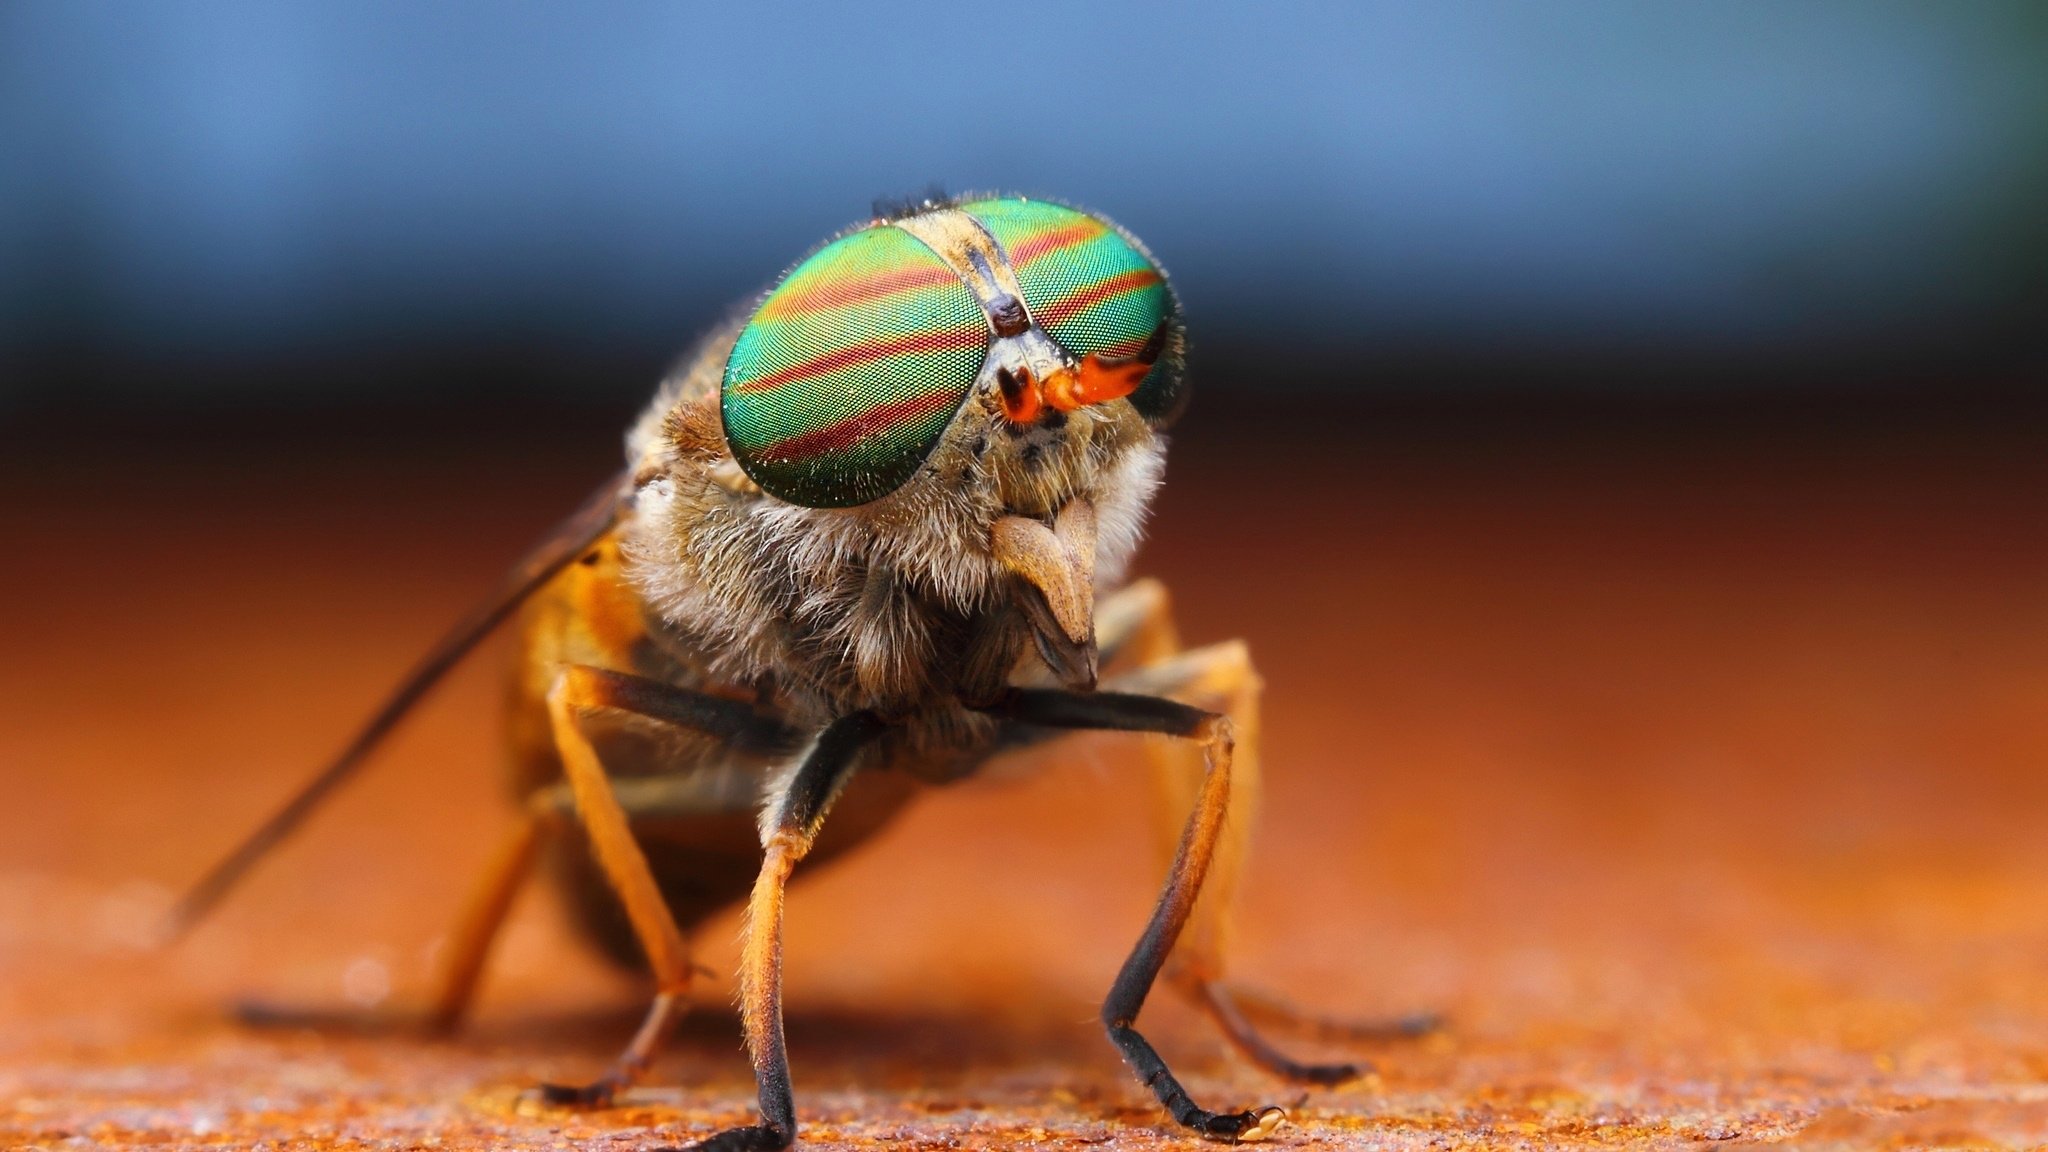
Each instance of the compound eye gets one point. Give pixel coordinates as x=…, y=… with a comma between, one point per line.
x=849, y=372
x=1093, y=289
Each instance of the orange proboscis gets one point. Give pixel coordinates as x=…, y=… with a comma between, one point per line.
x=1094, y=382
x=1099, y=380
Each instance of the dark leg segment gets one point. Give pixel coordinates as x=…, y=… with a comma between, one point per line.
x=1248, y=1004
x=1138, y=619
x=787, y=832
x=731, y=721
x=1224, y=1010
x=1115, y=711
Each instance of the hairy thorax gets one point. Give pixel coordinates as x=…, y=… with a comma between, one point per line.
x=898, y=605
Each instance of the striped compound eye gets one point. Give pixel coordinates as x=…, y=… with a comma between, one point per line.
x=1093, y=289
x=850, y=371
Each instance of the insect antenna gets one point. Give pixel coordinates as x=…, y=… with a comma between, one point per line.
x=562, y=545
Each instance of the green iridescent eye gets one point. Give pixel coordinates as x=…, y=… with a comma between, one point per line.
x=1092, y=288
x=846, y=376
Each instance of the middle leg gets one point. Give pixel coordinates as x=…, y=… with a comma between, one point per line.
x=581, y=690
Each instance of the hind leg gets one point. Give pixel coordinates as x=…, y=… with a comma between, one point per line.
x=469, y=946
x=605, y=809
x=462, y=962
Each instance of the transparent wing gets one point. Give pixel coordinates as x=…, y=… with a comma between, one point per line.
x=563, y=544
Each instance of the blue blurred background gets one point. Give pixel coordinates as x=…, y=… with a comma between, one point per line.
x=276, y=203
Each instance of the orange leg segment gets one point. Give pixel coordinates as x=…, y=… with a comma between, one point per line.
x=578, y=691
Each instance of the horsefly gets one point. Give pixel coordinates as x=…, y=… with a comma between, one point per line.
x=871, y=533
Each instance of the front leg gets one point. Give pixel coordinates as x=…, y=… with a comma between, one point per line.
x=1136, y=624
x=788, y=828
x=1116, y=711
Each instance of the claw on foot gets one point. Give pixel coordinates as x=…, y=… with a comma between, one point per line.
x=1247, y=1127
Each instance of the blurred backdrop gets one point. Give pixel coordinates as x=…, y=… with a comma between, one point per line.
x=294, y=203
x=1617, y=431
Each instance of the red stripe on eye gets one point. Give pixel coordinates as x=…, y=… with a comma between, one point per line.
x=1028, y=250
x=1067, y=307
x=854, y=429
x=867, y=352
x=855, y=290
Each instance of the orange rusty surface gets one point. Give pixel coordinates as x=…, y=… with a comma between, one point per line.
x=1695, y=776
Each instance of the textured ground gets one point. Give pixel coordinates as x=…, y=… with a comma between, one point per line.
x=1693, y=774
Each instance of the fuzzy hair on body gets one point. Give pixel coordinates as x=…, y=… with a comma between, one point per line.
x=897, y=606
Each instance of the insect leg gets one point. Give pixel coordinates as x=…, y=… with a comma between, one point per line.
x=1138, y=632
x=1135, y=623
x=463, y=959
x=1118, y=711
x=1138, y=621
x=1222, y=676
x=788, y=828
x=581, y=690
x=482, y=917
